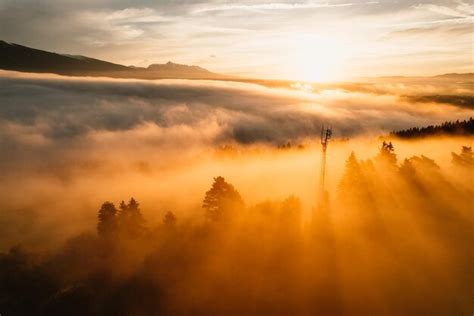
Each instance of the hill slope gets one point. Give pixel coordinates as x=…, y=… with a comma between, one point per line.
x=465, y=127
x=21, y=58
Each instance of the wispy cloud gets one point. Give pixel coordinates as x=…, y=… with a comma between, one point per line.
x=461, y=10
x=458, y=20
x=271, y=6
x=453, y=29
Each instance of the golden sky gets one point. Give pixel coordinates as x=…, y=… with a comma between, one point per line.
x=301, y=40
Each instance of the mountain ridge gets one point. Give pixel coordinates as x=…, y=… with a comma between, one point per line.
x=21, y=58
x=26, y=59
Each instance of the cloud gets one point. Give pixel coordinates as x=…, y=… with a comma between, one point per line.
x=271, y=6
x=436, y=22
x=40, y=112
x=461, y=9
x=457, y=29
x=460, y=101
x=70, y=107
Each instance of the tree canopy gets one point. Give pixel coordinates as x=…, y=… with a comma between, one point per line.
x=465, y=127
x=221, y=200
x=107, y=224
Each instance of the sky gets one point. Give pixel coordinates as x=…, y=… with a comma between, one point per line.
x=297, y=40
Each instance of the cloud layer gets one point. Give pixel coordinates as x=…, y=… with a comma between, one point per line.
x=61, y=109
x=67, y=107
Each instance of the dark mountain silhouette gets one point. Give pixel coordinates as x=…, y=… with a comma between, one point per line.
x=171, y=67
x=21, y=58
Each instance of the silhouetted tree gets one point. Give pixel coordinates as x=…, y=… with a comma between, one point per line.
x=407, y=169
x=131, y=219
x=354, y=187
x=352, y=174
x=107, y=224
x=465, y=158
x=353, y=182
x=221, y=199
x=425, y=163
x=387, y=155
x=412, y=168
x=169, y=219
x=123, y=209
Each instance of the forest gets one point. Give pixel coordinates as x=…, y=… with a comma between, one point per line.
x=465, y=127
x=395, y=238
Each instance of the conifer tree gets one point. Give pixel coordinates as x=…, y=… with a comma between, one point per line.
x=221, y=200
x=107, y=224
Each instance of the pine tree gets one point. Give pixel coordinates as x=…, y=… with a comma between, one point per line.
x=131, y=219
x=386, y=155
x=221, y=200
x=169, y=219
x=107, y=224
x=465, y=158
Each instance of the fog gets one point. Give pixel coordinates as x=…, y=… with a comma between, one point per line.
x=390, y=228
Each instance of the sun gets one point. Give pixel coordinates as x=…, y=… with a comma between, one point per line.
x=316, y=59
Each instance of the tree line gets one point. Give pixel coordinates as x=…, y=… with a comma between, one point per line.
x=465, y=127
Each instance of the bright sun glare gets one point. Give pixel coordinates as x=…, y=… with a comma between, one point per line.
x=316, y=59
